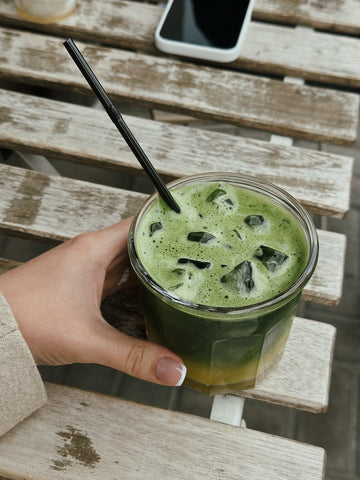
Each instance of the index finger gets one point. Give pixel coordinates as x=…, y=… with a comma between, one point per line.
x=113, y=239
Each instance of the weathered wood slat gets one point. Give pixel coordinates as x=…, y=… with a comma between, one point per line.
x=302, y=52
x=326, y=284
x=321, y=181
x=58, y=208
x=338, y=16
x=300, y=379
x=85, y=435
x=293, y=110
x=267, y=48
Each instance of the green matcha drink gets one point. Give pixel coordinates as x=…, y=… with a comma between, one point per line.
x=222, y=279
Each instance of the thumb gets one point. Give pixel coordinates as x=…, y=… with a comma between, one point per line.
x=139, y=358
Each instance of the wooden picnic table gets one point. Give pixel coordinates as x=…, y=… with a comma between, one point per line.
x=291, y=81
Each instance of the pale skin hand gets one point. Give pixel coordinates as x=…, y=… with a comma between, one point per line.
x=56, y=299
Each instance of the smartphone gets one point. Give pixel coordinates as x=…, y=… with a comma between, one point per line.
x=206, y=29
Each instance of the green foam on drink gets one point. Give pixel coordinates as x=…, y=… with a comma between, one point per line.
x=225, y=239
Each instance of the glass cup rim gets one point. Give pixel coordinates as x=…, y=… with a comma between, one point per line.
x=266, y=188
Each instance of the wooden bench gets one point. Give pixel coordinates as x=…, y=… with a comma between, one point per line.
x=75, y=434
x=300, y=380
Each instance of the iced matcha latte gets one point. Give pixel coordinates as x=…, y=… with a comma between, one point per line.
x=221, y=280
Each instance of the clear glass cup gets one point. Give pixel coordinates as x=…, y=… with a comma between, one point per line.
x=44, y=11
x=225, y=349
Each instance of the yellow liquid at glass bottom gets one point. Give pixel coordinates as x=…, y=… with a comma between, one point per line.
x=37, y=19
x=210, y=380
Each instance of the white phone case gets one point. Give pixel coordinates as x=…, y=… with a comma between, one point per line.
x=199, y=51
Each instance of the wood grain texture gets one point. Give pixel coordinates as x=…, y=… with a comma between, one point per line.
x=328, y=276
x=267, y=48
x=303, y=53
x=205, y=92
x=301, y=378
x=336, y=15
x=85, y=435
x=58, y=208
x=320, y=181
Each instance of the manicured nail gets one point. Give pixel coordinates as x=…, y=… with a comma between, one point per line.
x=170, y=371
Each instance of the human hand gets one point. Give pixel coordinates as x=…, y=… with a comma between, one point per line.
x=56, y=300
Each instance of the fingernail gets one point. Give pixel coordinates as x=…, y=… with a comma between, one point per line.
x=170, y=371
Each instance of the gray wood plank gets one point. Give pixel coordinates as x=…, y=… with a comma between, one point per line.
x=320, y=181
x=57, y=208
x=339, y=16
x=267, y=48
x=204, y=92
x=301, y=378
x=302, y=53
x=85, y=435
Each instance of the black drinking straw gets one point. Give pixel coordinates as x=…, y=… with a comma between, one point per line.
x=119, y=122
